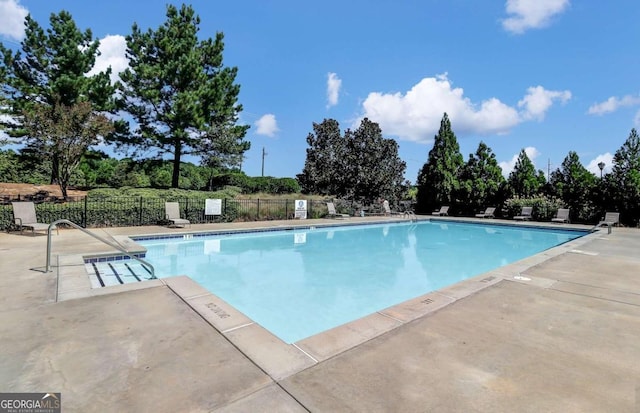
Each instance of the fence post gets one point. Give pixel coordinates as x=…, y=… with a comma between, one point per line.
x=224, y=207
x=286, y=209
x=310, y=212
x=84, y=215
x=258, y=211
x=140, y=213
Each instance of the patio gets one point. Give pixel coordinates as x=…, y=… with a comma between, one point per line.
x=563, y=337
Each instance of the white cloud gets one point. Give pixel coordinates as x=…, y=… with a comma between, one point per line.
x=112, y=53
x=507, y=166
x=607, y=158
x=416, y=115
x=333, y=89
x=636, y=119
x=538, y=100
x=531, y=14
x=612, y=104
x=267, y=125
x=12, y=16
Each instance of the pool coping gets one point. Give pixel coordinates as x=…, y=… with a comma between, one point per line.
x=274, y=356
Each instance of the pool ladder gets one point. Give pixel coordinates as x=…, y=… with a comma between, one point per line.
x=410, y=215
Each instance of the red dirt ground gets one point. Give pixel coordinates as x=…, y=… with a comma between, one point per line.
x=13, y=190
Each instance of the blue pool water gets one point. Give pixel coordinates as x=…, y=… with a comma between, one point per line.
x=298, y=283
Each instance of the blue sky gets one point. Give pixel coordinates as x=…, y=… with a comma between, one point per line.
x=550, y=76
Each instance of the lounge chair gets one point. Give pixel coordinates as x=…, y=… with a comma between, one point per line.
x=444, y=210
x=332, y=211
x=172, y=213
x=488, y=213
x=562, y=216
x=610, y=219
x=24, y=216
x=387, y=209
x=525, y=214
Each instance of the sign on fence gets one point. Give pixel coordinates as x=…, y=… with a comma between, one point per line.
x=301, y=209
x=213, y=207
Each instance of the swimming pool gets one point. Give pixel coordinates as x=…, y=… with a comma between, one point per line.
x=301, y=282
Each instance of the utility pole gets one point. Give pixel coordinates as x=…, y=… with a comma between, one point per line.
x=263, y=155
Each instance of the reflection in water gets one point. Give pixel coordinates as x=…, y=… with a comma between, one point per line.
x=211, y=246
x=300, y=238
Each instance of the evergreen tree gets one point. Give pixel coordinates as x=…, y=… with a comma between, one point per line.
x=438, y=179
x=9, y=166
x=181, y=96
x=373, y=168
x=523, y=181
x=324, y=166
x=575, y=185
x=49, y=75
x=623, y=183
x=361, y=165
x=481, y=180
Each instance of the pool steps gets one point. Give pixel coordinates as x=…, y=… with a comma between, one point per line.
x=107, y=273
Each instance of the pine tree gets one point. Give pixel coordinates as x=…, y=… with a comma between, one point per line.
x=624, y=181
x=523, y=181
x=438, y=179
x=181, y=96
x=481, y=180
x=575, y=185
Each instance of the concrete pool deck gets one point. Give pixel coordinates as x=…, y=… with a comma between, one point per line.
x=556, y=332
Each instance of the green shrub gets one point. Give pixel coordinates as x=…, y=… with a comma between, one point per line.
x=544, y=208
x=252, y=185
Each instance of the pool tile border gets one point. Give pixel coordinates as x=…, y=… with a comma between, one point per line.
x=111, y=258
x=188, y=235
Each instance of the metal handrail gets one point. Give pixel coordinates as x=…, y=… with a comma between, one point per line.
x=99, y=238
x=410, y=215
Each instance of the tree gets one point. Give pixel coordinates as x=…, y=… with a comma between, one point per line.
x=523, y=181
x=438, y=179
x=48, y=76
x=323, y=171
x=361, y=165
x=222, y=155
x=372, y=168
x=9, y=166
x=181, y=96
x=89, y=166
x=68, y=131
x=575, y=185
x=481, y=180
x=624, y=181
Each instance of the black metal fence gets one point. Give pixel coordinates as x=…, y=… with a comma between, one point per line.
x=137, y=211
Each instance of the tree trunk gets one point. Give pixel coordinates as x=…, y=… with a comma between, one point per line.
x=63, y=189
x=175, y=179
x=55, y=170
